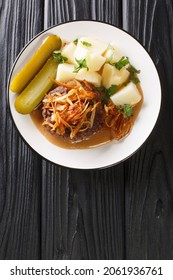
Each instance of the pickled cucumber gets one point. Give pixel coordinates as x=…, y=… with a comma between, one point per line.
x=21, y=80
x=32, y=95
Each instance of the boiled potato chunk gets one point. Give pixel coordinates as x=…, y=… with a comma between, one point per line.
x=95, y=61
x=80, y=53
x=91, y=77
x=68, y=51
x=96, y=46
x=65, y=72
x=113, y=54
x=127, y=95
x=113, y=76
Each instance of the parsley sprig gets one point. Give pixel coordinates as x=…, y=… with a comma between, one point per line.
x=58, y=57
x=75, y=41
x=122, y=62
x=107, y=92
x=133, y=71
x=133, y=74
x=86, y=44
x=127, y=109
x=81, y=64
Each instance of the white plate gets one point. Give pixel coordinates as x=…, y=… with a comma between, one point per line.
x=111, y=153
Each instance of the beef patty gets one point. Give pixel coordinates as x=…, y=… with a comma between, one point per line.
x=97, y=125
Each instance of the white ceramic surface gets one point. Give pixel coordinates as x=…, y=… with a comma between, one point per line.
x=111, y=153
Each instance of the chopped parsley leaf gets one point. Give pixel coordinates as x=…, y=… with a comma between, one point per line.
x=86, y=44
x=58, y=57
x=81, y=64
x=134, y=79
x=133, y=74
x=112, y=90
x=75, y=41
x=126, y=108
x=121, y=63
x=101, y=89
x=119, y=108
x=108, y=92
x=134, y=70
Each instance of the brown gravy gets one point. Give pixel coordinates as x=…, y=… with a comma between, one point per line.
x=99, y=138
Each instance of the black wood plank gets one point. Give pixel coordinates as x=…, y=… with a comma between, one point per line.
x=83, y=214
x=149, y=179
x=20, y=167
x=82, y=211
x=58, y=11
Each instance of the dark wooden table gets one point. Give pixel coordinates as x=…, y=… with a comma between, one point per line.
x=52, y=212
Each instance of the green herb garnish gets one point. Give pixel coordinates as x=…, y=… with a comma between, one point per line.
x=81, y=64
x=133, y=69
x=75, y=41
x=135, y=80
x=112, y=90
x=102, y=89
x=58, y=57
x=121, y=63
x=133, y=74
x=119, y=108
x=108, y=92
x=86, y=44
x=126, y=108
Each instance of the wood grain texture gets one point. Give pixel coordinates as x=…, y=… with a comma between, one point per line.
x=58, y=11
x=20, y=178
x=52, y=212
x=149, y=180
x=80, y=213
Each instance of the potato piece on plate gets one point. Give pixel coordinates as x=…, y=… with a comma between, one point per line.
x=92, y=45
x=91, y=77
x=65, y=72
x=127, y=95
x=112, y=54
x=95, y=61
x=68, y=51
x=90, y=49
x=113, y=76
x=80, y=53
